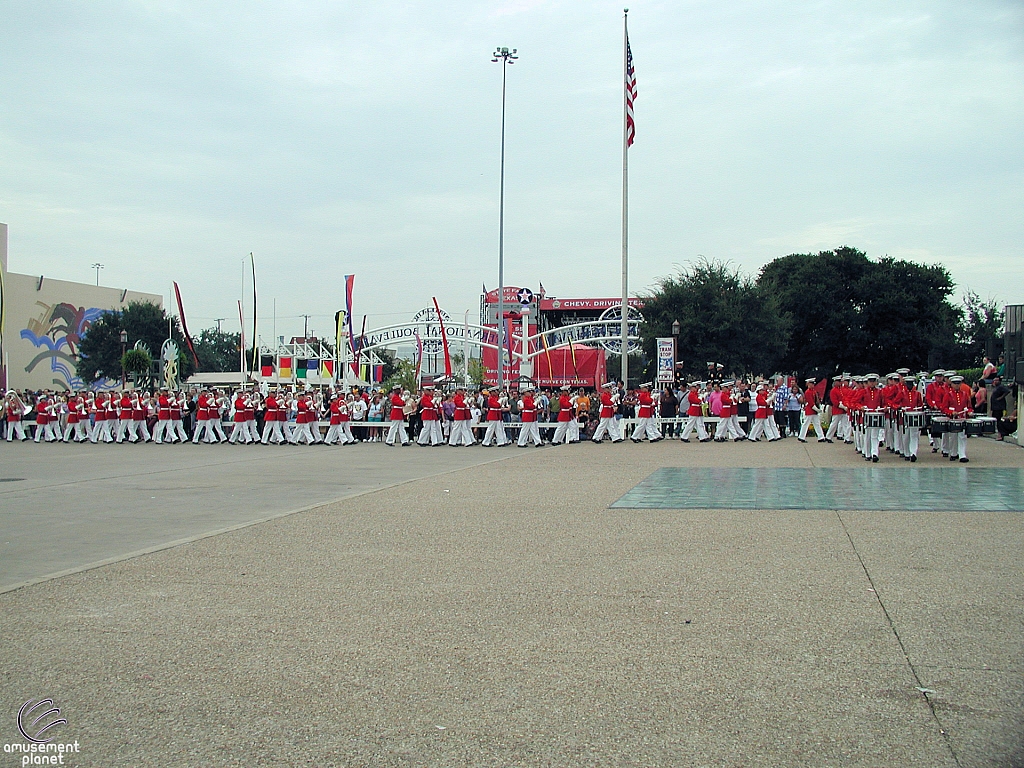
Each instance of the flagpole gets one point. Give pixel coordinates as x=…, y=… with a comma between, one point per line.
x=624, y=327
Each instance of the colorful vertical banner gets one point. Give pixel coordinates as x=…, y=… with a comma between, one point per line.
x=327, y=369
x=300, y=367
x=184, y=327
x=444, y=342
x=284, y=366
x=266, y=366
x=312, y=367
x=350, y=281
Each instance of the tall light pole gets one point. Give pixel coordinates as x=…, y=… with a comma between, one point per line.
x=507, y=58
x=124, y=346
x=97, y=267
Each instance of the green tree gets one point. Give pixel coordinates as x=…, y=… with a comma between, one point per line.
x=983, y=322
x=848, y=312
x=723, y=316
x=403, y=376
x=99, y=353
x=136, y=361
x=217, y=350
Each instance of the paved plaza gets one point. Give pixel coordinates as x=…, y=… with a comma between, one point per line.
x=572, y=606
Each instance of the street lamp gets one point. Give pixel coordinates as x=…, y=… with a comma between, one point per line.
x=675, y=348
x=124, y=344
x=507, y=58
x=97, y=267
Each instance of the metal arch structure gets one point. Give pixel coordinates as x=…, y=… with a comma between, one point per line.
x=604, y=332
x=592, y=332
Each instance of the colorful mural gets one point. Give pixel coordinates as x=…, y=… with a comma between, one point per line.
x=57, y=331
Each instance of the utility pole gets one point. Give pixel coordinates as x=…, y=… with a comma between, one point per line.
x=305, y=326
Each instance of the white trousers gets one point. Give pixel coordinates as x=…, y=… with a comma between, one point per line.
x=461, y=433
x=15, y=428
x=729, y=427
x=911, y=439
x=646, y=427
x=610, y=425
x=530, y=431
x=694, y=423
x=301, y=433
x=871, y=436
x=760, y=428
x=807, y=421
x=567, y=432
x=397, y=432
x=431, y=433
x=272, y=432
x=839, y=427
x=160, y=430
x=240, y=433
x=496, y=432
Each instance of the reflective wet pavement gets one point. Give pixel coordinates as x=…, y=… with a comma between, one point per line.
x=933, y=489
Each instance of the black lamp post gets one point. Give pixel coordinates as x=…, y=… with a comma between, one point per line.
x=124, y=344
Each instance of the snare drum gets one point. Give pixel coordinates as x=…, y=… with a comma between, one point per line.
x=956, y=425
x=982, y=425
x=939, y=425
x=915, y=419
x=874, y=419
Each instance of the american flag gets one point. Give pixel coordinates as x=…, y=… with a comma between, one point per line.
x=630, y=95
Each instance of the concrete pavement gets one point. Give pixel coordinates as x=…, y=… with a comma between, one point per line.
x=503, y=614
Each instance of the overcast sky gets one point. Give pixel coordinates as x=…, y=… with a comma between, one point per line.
x=167, y=140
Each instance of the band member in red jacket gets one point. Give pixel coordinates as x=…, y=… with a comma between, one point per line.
x=839, y=426
x=812, y=412
x=763, y=420
x=871, y=400
x=694, y=414
x=461, y=433
x=645, y=416
x=528, y=413
x=397, y=431
x=568, y=429
x=957, y=405
x=608, y=422
x=240, y=430
x=728, y=423
x=430, y=433
x=910, y=400
x=495, y=429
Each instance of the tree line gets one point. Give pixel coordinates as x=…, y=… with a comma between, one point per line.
x=818, y=314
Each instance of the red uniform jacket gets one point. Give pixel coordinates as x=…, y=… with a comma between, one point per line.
x=958, y=401
x=810, y=400
x=565, y=407
x=762, y=405
x=429, y=412
x=397, y=404
x=694, y=409
x=726, y=411
x=646, y=405
x=870, y=399
x=529, y=410
x=461, y=411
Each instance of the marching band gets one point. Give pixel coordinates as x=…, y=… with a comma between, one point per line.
x=863, y=412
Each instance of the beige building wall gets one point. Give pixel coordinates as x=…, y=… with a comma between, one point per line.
x=44, y=320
